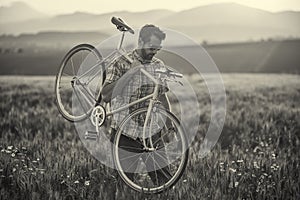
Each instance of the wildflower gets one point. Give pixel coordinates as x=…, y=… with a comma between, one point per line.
x=76, y=182
x=255, y=165
x=184, y=180
x=256, y=149
x=273, y=156
x=9, y=147
x=232, y=170
x=274, y=167
x=236, y=184
x=14, y=169
x=13, y=155
x=87, y=183
x=265, y=174
x=239, y=161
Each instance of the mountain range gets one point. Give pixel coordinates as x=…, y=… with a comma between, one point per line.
x=216, y=22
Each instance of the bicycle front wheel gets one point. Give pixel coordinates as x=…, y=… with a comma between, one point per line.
x=79, y=82
x=151, y=171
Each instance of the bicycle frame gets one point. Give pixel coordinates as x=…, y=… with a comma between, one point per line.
x=153, y=97
x=108, y=61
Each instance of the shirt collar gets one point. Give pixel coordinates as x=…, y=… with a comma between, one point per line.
x=139, y=58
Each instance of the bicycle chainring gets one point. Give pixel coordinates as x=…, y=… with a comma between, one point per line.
x=98, y=116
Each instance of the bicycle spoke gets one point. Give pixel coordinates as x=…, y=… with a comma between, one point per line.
x=72, y=64
x=129, y=147
x=174, y=153
x=64, y=73
x=64, y=87
x=156, y=178
x=132, y=164
x=132, y=156
x=87, y=91
x=80, y=101
x=167, y=161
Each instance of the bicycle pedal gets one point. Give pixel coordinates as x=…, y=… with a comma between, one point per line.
x=91, y=135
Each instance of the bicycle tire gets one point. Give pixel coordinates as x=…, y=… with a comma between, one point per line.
x=65, y=100
x=135, y=183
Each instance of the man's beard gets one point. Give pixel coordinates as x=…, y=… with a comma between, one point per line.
x=146, y=56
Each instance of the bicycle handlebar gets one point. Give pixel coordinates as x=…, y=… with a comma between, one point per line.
x=169, y=72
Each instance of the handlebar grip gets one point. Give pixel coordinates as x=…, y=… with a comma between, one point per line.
x=179, y=75
x=169, y=73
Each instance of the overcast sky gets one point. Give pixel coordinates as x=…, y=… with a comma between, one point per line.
x=102, y=6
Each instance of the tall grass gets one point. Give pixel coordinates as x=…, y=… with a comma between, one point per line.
x=257, y=156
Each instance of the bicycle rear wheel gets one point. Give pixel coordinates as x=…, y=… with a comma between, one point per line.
x=79, y=81
x=156, y=170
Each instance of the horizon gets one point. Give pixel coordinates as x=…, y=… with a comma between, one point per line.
x=50, y=7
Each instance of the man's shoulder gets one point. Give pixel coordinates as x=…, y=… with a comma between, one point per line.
x=123, y=59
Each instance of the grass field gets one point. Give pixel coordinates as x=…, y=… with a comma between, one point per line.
x=257, y=156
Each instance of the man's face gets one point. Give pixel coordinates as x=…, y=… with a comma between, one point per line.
x=150, y=48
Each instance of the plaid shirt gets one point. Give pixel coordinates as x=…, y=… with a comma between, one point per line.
x=138, y=87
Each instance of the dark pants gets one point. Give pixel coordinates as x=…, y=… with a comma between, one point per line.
x=156, y=163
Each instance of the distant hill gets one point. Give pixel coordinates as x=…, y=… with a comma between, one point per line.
x=233, y=22
x=61, y=40
x=17, y=12
x=81, y=21
x=253, y=57
x=224, y=22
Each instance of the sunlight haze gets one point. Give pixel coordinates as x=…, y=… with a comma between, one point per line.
x=104, y=6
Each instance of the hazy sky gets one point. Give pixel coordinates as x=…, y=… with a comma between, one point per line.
x=101, y=6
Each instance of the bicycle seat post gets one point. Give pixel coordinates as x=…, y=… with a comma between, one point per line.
x=121, y=41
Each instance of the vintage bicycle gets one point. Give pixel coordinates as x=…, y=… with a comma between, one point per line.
x=78, y=97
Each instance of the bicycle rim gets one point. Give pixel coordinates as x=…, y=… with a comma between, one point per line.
x=75, y=96
x=152, y=172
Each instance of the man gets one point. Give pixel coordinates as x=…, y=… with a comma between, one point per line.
x=125, y=83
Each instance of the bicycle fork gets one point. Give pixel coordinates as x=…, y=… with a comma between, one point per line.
x=148, y=115
x=151, y=109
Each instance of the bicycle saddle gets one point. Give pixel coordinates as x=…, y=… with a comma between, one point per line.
x=120, y=24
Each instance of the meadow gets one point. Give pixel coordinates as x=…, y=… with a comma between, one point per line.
x=256, y=157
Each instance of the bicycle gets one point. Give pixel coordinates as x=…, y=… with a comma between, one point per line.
x=171, y=145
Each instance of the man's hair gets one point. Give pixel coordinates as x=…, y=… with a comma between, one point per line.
x=148, y=30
